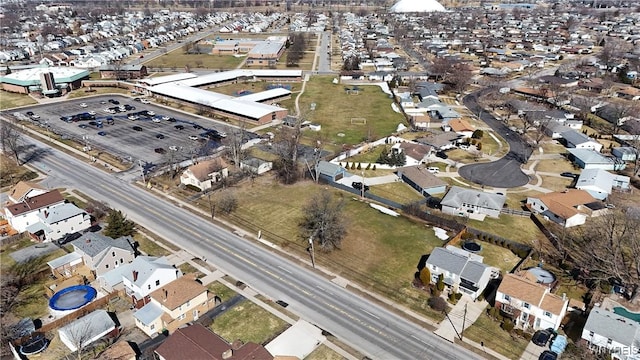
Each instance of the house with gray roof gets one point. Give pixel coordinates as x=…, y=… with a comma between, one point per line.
x=422, y=180
x=606, y=330
x=600, y=183
x=590, y=159
x=625, y=153
x=102, y=253
x=88, y=329
x=472, y=203
x=578, y=140
x=441, y=140
x=144, y=275
x=462, y=271
x=330, y=171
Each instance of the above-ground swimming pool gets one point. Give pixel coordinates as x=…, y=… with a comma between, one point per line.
x=543, y=276
x=72, y=297
x=472, y=247
x=626, y=313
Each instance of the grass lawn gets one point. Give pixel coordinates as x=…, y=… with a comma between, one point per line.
x=334, y=111
x=187, y=268
x=497, y=256
x=303, y=64
x=489, y=331
x=517, y=228
x=10, y=100
x=149, y=247
x=369, y=155
x=221, y=290
x=556, y=166
x=553, y=147
x=178, y=59
x=379, y=251
x=397, y=191
x=248, y=322
x=77, y=202
x=80, y=93
x=11, y=173
x=555, y=183
x=323, y=352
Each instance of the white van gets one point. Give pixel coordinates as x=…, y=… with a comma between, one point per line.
x=433, y=170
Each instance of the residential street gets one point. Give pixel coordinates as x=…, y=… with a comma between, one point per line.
x=369, y=328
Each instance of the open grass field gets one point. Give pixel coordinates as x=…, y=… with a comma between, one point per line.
x=178, y=59
x=488, y=331
x=379, y=251
x=335, y=110
x=556, y=183
x=397, y=191
x=369, y=155
x=248, y=322
x=10, y=100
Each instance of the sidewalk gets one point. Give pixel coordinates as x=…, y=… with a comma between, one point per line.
x=464, y=313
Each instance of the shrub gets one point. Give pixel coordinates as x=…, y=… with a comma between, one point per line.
x=437, y=303
x=493, y=312
x=508, y=325
x=478, y=134
x=374, y=167
x=368, y=166
x=458, y=296
x=346, y=166
x=359, y=167
x=425, y=276
x=479, y=145
x=452, y=298
x=440, y=283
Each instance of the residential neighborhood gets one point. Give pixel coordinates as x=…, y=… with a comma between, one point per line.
x=313, y=180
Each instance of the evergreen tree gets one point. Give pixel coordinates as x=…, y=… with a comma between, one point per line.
x=118, y=225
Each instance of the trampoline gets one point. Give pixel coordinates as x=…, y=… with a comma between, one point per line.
x=34, y=345
x=543, y=276
x=472, y=247
x=72, y=297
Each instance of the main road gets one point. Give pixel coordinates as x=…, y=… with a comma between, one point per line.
x=364, y=325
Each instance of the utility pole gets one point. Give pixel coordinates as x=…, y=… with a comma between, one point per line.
x=463, y=321
x=363, y=185
x=311, y=250
x=142, y=169
x=211, y=206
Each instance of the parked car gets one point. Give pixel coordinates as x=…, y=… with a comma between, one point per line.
x=159, y=136
x=83, y=105
x=137, y=128
x=569, y=175
x=145, y=101
x=166, y=118
x=173, y=148
x=193, y=137
x=358, y=185
x=433, y=170
x=92, y=112
x=114, y=102
x=441, y=155
x=156, y=120
x=133, y=117
x=548, y=355
x=83, y=126
x=102, y=133
x=160, y=150
x=179, y=127
x=68, y=238
x=542, y=337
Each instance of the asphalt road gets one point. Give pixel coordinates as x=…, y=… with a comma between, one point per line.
x=369, y=328
x=505, y=172
x=324, y=53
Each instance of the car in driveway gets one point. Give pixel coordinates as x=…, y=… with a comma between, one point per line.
x=179, y=127
x=358, y=186
x=548, y=355
x=542, y=337
x=102, y=133
x=137, y=128
x=159, y=136
x=569, y=175
x=442, y=155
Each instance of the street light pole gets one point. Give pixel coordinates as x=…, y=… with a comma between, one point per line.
x=311, y=250
x=142, y=169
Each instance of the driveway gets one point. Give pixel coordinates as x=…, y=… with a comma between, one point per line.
x=505, y=172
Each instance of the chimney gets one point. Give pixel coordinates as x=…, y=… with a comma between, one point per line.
x=227, y=354
x=135, y=276
x=46, y=214
x=165, y=294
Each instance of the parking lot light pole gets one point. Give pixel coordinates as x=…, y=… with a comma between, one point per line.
x=142, y=169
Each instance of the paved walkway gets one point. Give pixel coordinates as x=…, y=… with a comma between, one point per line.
x=532, y=352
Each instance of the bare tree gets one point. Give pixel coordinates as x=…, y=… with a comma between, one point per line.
x=10, y=139
x=613, y=51
x=227, y=202
x=621, y=111
x=80, y=335
x=236, y=137
x=324, y=222
x=607, y=248
x=286, y=144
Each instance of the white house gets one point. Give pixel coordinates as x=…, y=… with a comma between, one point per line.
x=204, y=174
x=529, y=304
x=173, y=305
x=461, y=270
x=255, y=165
x=87, y=329
x=579, y=140
x=566, y=208
x=58, y=221
x=472, y=203
x=23, y=214
x=607, y=330
x=147, y=275
x=600, y=183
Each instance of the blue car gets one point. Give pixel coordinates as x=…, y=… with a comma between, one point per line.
x=102, y=133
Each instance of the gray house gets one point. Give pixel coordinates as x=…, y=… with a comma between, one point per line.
x=330, y=171
x=600, y=183
x=461, y=270
x=606, y=330
x=590, y=159
x=579, y=140
x=625, y=153
x=87, y=329
x=472, y=203
x=422, y=180
x=102, y=253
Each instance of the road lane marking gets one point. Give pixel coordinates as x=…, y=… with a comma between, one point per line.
x=283, y=269
x=370, y=314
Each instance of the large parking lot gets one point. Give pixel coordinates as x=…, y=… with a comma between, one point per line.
x=157, y=134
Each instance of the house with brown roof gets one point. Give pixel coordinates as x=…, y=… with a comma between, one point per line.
x=419, y=178
x=415, y=153
x=530, y=304
x=27, y=212
x=197, y=342
x=460, y=126
x=204, y=174
x=568, y=208
x=23, y=190
x=174, y=304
